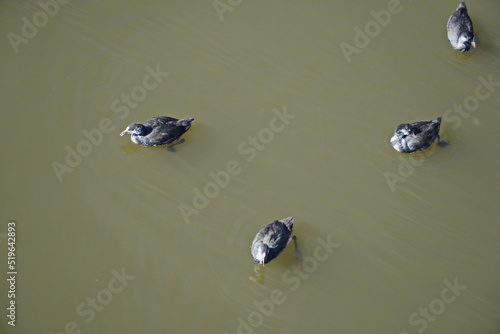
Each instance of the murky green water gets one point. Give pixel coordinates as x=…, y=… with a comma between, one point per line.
x=116, y=238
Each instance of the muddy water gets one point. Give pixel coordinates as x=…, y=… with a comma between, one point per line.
x=294, y=104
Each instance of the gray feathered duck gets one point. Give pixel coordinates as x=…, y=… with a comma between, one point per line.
x=271, y=240
x=460, y=29
x=158, y=131
x=414, y=137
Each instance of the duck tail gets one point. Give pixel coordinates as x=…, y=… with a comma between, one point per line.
x=288, y=222
x=462, y=5
x=185, y=121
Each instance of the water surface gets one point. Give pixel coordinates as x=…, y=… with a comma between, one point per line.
x=112, y=237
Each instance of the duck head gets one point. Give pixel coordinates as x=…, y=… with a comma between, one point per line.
x=261, y=253
x=465, y=40
x=134, y=129
x=400, y=141
x=403, y=130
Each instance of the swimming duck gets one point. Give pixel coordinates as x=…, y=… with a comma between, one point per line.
x=158, y=131
x=414, y=137
x=460, y=30
x=271, y=240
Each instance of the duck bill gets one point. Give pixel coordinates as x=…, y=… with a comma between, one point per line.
x=473, y=44
x=125, y=132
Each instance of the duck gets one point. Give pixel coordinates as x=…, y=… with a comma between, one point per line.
x=414, y=137
x=271, y=240
x=460, y=29
x=158, y=131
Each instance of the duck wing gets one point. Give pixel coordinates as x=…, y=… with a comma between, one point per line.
x=460, y=21
x=426, y=127
x=158, y=121
x=274, y=235
x=464, y=22
x=164, y=130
